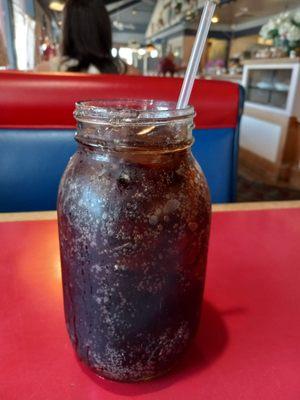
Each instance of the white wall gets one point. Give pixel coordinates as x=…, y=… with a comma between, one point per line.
x=125, y=37
x=260, y=137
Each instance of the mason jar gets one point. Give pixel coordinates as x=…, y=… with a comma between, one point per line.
x=134, y=219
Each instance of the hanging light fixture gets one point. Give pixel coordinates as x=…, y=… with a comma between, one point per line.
x=56, y=6
x=141, y=52
x=150, y=47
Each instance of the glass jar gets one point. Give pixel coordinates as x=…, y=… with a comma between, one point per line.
x=134, y=218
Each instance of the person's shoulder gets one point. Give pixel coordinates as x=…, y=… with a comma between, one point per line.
x=64, y=63
x=92, y=69
x=48, y=66
x=56, y=64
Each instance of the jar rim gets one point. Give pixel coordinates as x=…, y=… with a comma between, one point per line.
x=130, y=111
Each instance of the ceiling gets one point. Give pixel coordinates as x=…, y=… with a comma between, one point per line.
x=129, y=15
x=133, y=16
x=241, y=11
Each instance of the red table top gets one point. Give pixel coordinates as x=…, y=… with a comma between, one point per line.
x=248, y=345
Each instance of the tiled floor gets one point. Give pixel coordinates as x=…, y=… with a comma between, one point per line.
x=255, y=190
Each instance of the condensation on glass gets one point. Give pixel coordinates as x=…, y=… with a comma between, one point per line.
x=134, y=217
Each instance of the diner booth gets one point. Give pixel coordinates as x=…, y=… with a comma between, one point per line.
x=37, y=130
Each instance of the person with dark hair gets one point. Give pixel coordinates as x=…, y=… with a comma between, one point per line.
x=87, y=41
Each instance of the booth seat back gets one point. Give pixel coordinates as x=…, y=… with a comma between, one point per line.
x=37, y=129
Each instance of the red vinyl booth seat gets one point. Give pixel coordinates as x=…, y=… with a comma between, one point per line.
x=37, y=125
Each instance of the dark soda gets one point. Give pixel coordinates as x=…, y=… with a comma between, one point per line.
x=134, y=240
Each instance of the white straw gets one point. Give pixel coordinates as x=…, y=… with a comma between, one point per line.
x=196, y=54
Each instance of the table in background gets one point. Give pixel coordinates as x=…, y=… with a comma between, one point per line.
x=248, y=346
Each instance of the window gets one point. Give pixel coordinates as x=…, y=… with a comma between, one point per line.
x=24, y=36
x=126, y=54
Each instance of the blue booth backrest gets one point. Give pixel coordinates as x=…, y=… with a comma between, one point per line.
x=32, y=163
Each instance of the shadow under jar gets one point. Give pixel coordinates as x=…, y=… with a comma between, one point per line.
x=134, y=219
